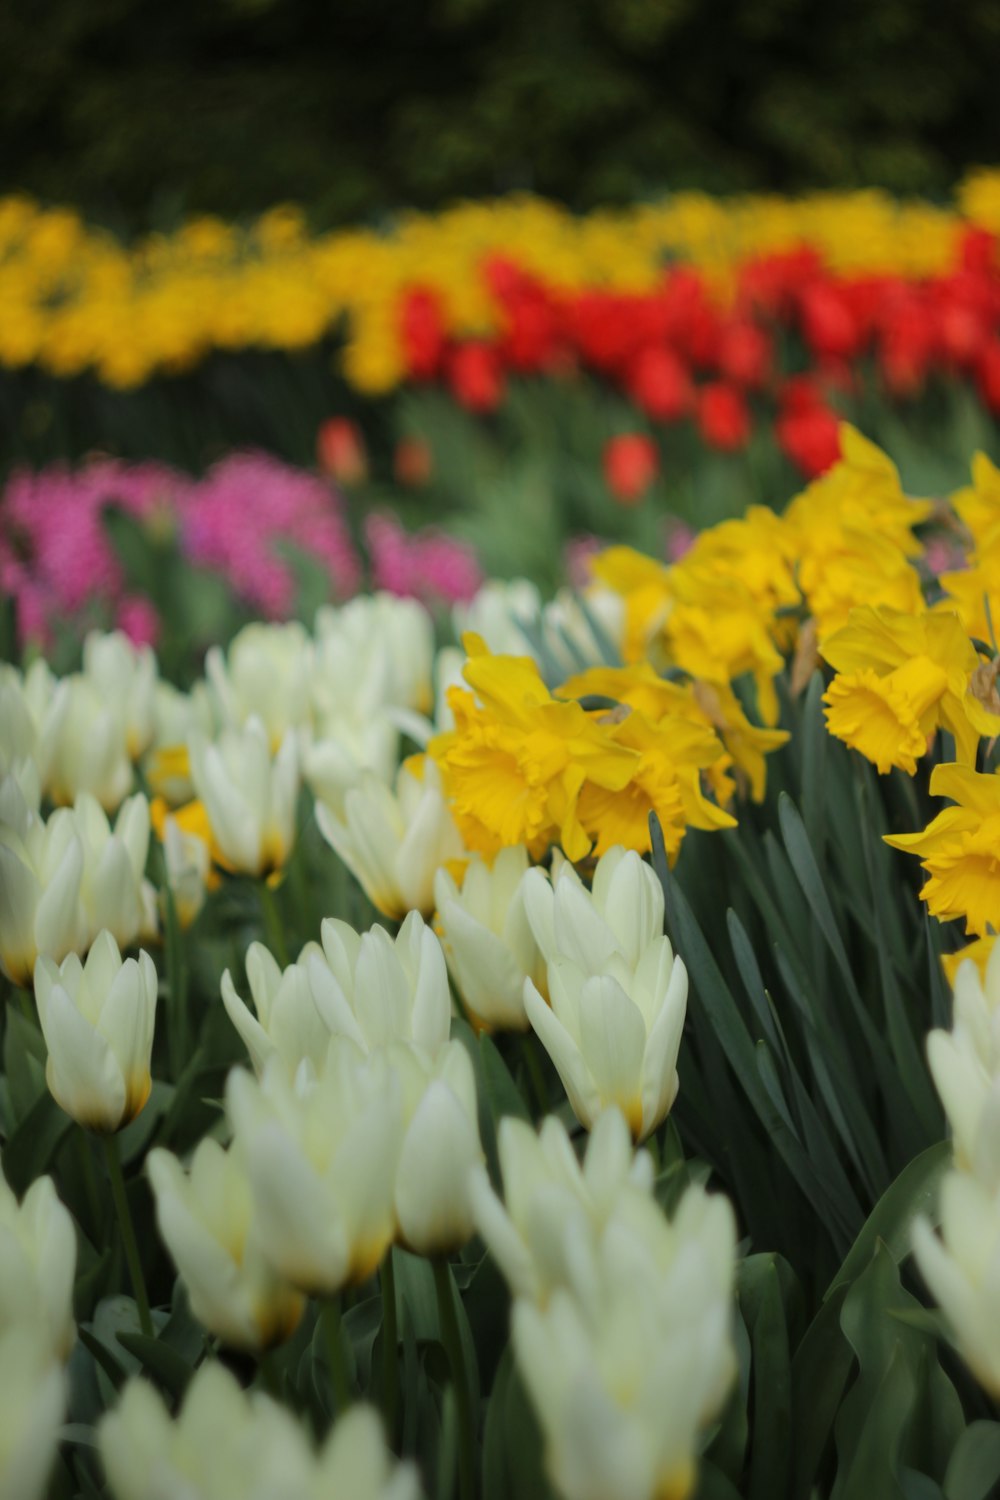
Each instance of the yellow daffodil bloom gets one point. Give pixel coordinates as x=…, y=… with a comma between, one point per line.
x=960, y=849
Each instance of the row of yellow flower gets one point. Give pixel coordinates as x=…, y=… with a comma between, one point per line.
x=73, y=297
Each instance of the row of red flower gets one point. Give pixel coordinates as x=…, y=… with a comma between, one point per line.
x=679, y=354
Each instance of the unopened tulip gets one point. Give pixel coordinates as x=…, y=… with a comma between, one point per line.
x=389, y=640
x=962, y=1270
x=33, y=1391
x=440, y=1150
x=125, y=675
x=83, y=745
x=266, y=673
x=287, y=1023
x=551, y=1203
x=205, y=1219
x=97, y=1019
x=322, y=1155
x=965, y=1064
x=487, y=938
x=375, y=990
x=395, y=842
x=187, y=856
x=41, y=870
x=250, y=797
x=116, y=895
x=38, y=1264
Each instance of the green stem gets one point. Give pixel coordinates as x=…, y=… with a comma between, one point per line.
x=336, y=1353
x=269, y=1375
x=128, y=1234
x=273, y=925
x=535, y=1072
x=27, y=1005
x=451, y=1336
x=89, y=1182
x=177, y=1027
x=390, y=1345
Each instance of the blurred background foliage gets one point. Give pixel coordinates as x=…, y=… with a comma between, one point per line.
x=138, y=113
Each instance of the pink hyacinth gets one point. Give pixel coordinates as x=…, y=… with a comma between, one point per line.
x=425, y=565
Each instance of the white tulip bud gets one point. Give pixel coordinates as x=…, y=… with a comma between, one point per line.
x=250, y=798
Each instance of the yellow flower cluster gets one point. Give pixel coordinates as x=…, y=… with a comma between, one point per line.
x=73, y=298
x=836, y=576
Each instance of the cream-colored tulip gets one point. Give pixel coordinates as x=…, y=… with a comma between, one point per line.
x=619, y=917
x=497, y=613
x=249, y=797
x=205, y=1219
x=38, y=1264
x=116, y=895
x=125, y=676
x=176, y=715
x=395, y=842
x=965, y=1064
x=340, y=752
x=440, y=1151
x=97, y=1019
x=83, y=745
x=375, y=990
x=188, y=861
x=41, y=872
x=550, y=1203
x=265, y=674
x=962, y=1269
x=322, y=1155
x=630, y=1362
x=487, y=938
x=287, y=1023
x=226, y=1444
x=33, y=1391
x=384, y=639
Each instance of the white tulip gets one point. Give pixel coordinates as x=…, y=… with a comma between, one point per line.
x=205, y=1220
x=41, y=871
x=626, y=1366
x=83, y=745
x=116, y=895
x=487, y=938
x=38, y=1264
x=375, y=990
x=97, y=1019
x=33, y=1391
x=266, y=674
x=552, y=1204
x=18, y=734
x=225, y=1444
x=249, y=797
x=287, y=1023
x=125, y=676
x=618, y=918
x=389, y=640
x=395, y=842
x=965, y=1064
x=337, y=755
x=441, y=1149
x=496, y=614
x=176, y=715
x=322, y=1155
x=962, y=1270
x=188, y=859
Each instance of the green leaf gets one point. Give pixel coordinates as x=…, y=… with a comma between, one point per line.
x=913, y=1192
x=973, y=1471
x=820, y=1371
x=502, y=1092
x=30, y=1150
x=159, y=1360
x=762, y=1306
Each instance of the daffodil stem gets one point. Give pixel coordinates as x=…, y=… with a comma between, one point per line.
x=535, y=1073
x=128, y=1234
x=390, y=1342
x=336, y=1353
x=273, y=925
x=451, y=1336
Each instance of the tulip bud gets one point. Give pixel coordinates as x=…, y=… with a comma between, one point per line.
x=266, y=673
x=375, y=990
x=340, y=448
x=33, y=1391
x=287, y=1023
x=250, y=798
x=487, y=938
x=960, y=1269
x=322, y=1155
x=379, y=639
x=125, y=676
x=394, y=843
x=83, y=745
x=41, y=869
x=440, y=1150
x=38, y=1264
x=205, y=1218
x=115, y=893
x=187, y=855
x=97, y=1019
x=965, y=1064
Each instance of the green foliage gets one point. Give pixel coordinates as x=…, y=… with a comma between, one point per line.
x=357, y=107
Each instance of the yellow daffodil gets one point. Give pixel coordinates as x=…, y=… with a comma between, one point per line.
x=960, y=849
x=899, y=679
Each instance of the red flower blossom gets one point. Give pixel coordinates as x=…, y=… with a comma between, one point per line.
x=723, y=416
x=475, y=376
x=631, y=463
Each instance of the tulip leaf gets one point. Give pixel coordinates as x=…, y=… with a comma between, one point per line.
x=34, y=1143
x=114, y=1371
x=820, y=1371
x=168, y=1368
x=762, y=1306
x=495, y=1478
x=713, y=1484
x=504, y=1096
x=973, y=1471
x=913, y=1192
x=23, y=1062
